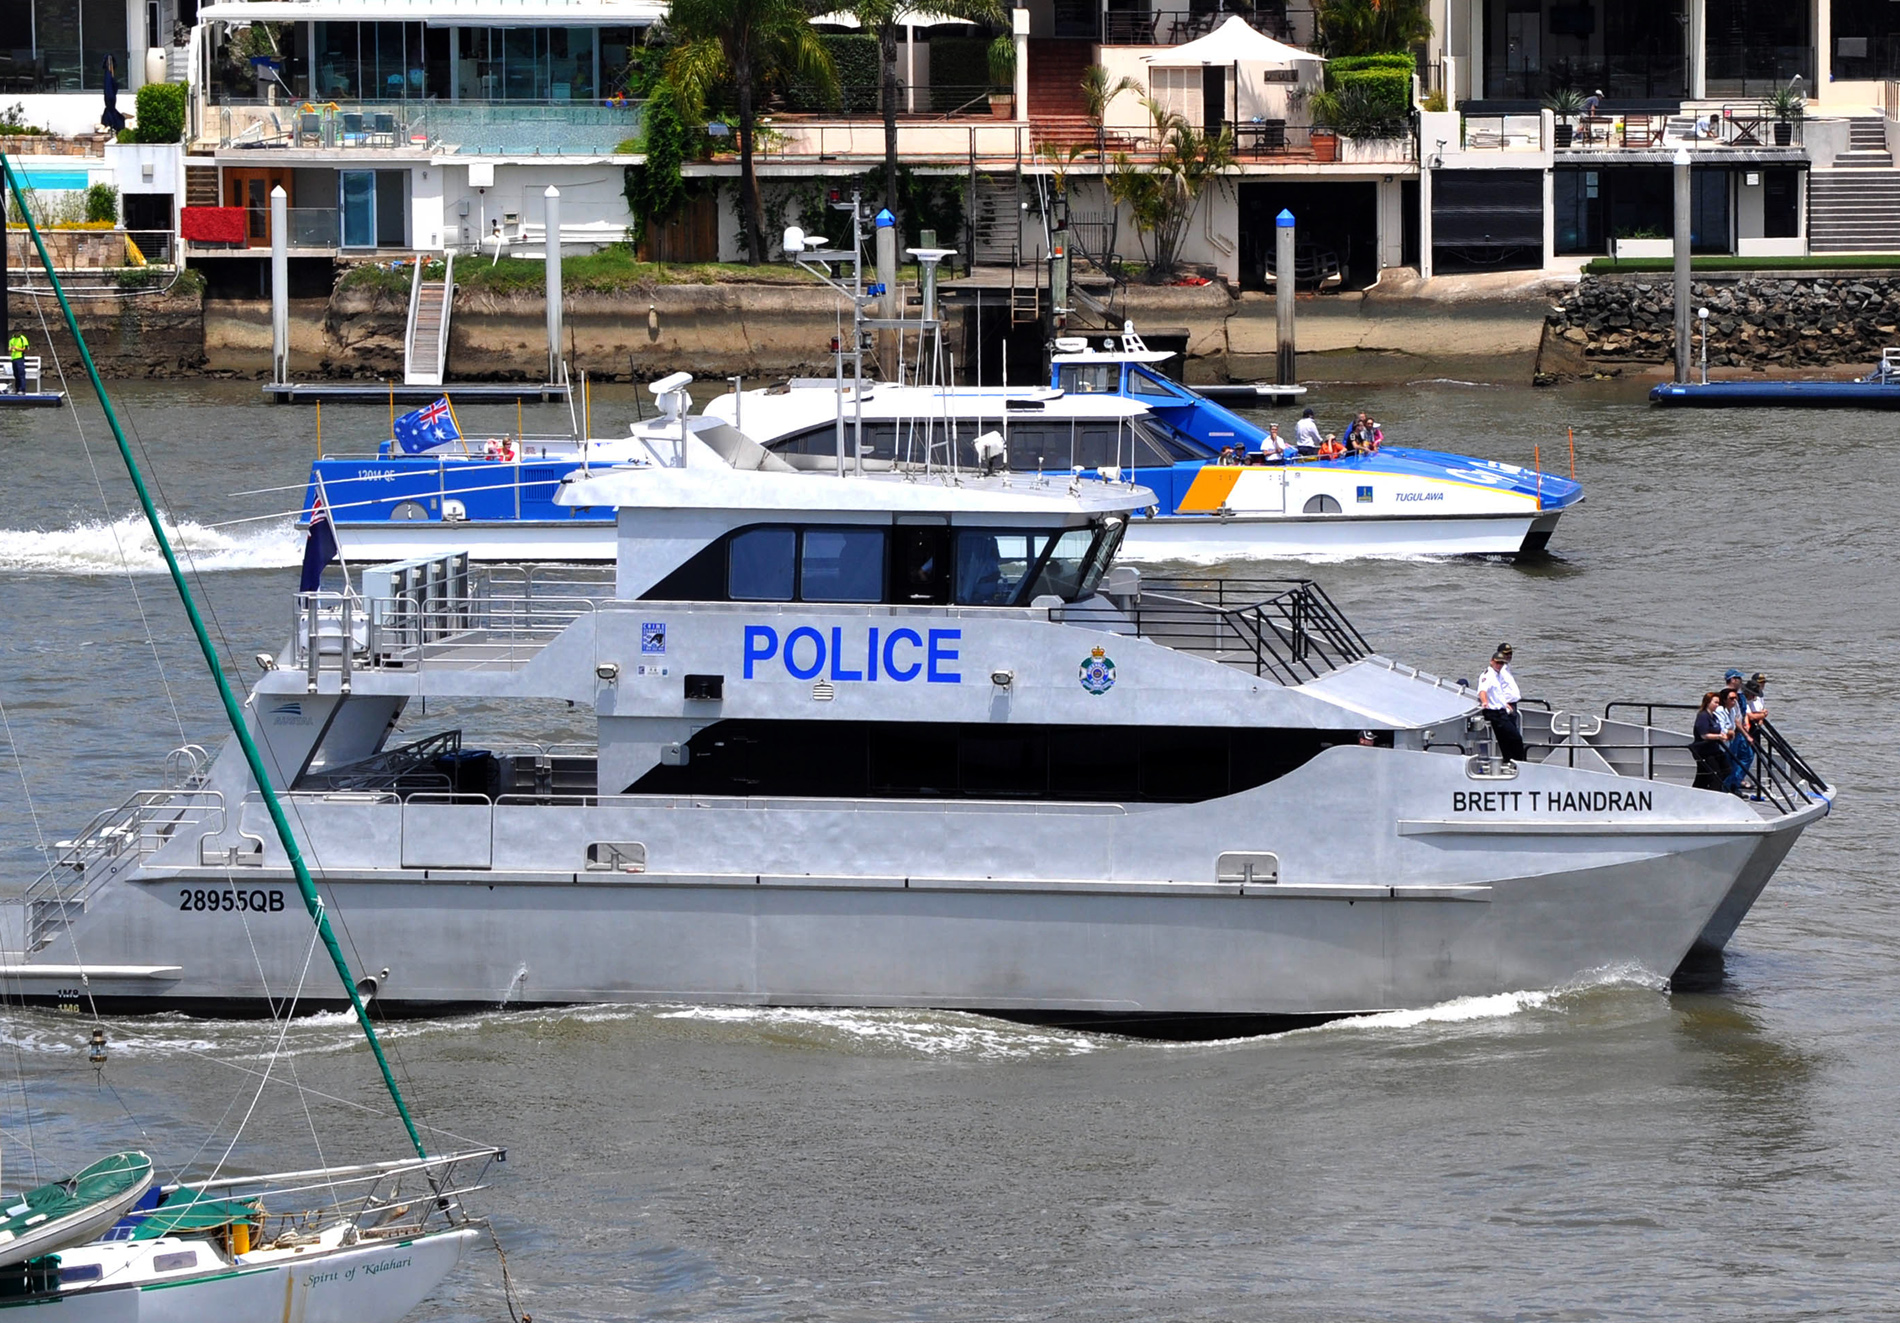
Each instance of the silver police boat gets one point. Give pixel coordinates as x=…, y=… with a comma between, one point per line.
x=894, y=736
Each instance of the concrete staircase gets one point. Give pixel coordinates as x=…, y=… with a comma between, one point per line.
x=1854, y=211
x=1058, y=112
x=1866, y=145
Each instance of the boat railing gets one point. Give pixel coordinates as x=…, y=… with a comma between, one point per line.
x=343, y=633
x=1778, y=779
x=382, y=1200
x=1286, y=629
x=134, y=829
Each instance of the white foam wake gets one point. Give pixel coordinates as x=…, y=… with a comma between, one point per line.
x=927, y=1033
x=97, y=547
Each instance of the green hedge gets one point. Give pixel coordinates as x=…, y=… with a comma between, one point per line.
x=1354, y=63
x=854, y=57
x=1388, y=89
x=161, y=114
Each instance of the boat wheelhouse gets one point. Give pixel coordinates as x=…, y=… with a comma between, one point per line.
x=882, y=738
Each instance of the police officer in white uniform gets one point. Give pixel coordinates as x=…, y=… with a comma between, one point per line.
x=1498, y=695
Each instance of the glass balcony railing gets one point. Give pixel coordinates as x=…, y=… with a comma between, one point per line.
x=515, y=128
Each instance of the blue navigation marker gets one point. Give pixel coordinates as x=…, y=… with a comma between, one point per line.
x=885, y=220
x=1284, y=220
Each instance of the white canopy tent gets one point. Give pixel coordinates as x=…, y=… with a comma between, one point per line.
x=910, y=20
x=1237, y=46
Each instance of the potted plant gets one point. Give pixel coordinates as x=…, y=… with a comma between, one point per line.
x=1566, y=103
x=1326, y=108
x=1788, y=105
x=1002, y=56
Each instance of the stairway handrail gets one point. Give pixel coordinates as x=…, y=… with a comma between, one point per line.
x=415, y=299
x=442, y=323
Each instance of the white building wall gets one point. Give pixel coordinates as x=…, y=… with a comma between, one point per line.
x=593, y=204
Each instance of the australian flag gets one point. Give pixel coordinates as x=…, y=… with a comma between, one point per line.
x=319, y=549
x=426, y=428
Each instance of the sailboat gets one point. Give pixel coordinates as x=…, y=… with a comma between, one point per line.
x=355, y=1244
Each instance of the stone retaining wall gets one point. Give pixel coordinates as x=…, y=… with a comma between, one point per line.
x=1755, y=321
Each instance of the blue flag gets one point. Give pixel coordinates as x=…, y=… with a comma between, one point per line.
x=319, y=549
x=426, y=428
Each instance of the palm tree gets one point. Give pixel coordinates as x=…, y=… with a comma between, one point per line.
x=1373, y=27
x=884, y=18
x=1098, y=93
x=748, y=43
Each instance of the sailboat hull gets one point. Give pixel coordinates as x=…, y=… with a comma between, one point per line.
x=374, y=1282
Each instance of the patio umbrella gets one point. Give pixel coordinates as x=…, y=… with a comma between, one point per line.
x=1235, y=43
x=910, y=21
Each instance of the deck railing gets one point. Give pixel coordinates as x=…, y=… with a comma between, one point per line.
x=1286, y=629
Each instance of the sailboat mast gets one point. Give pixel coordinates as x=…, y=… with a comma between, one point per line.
x=255, y=760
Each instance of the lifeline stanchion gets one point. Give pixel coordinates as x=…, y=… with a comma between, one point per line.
x=1571, y=432
x=1537, y=462
x=320, y=429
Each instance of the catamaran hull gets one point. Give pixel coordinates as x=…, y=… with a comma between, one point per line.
x=376, y=1282
x=1204, y=538
x=875, y=903
x=1191, y=538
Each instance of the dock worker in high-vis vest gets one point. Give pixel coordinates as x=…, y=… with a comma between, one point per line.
x=16, y=351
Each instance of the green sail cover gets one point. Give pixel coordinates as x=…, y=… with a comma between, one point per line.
x=120, y=1178
x=186, y=1210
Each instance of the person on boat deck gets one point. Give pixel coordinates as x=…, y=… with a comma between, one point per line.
x=1274, y=447
x=1755, y=702
x=1332, y=447
x=1230, y=455
x=16, y=353
x=1306, y=436
x=1358, y=434
x=1711, y=759
x=1498, y=697
x=1741, y=749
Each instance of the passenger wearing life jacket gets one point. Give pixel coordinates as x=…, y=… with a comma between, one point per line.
x=16, y=352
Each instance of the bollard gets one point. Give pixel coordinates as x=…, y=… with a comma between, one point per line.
x=889, y=347
x=1283, y=296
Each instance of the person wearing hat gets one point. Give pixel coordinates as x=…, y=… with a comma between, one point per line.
x=1498, y=697
x=1307, y=435
x=1734, y=715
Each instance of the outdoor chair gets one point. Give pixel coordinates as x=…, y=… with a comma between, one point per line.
x=1644, y=131
x=352, y=134
x=383, y=128
x=309, y=129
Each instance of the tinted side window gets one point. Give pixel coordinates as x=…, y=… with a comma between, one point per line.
x=842, y=565
x=759, y=568
x=1140, y=383
x=991, y=566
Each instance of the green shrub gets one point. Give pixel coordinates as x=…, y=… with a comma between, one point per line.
x=161, y=114
x=102, y=203
x=1388, y=91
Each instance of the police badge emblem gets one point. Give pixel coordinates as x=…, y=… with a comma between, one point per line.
x=1097, y=672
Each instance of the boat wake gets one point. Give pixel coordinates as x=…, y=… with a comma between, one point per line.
x=96, y=547
x=923, y=1033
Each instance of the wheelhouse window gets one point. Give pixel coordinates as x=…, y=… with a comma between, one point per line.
x=1143, y=382
x=1089, y=378
x=913, y=564
x=761, y=565
x=842, y=565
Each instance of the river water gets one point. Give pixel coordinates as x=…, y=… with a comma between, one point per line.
x=1610, y=1151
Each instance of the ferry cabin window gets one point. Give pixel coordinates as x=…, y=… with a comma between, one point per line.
x=760, y=565
x=1089, y=378
x=842, y=565
x=1143, y=382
